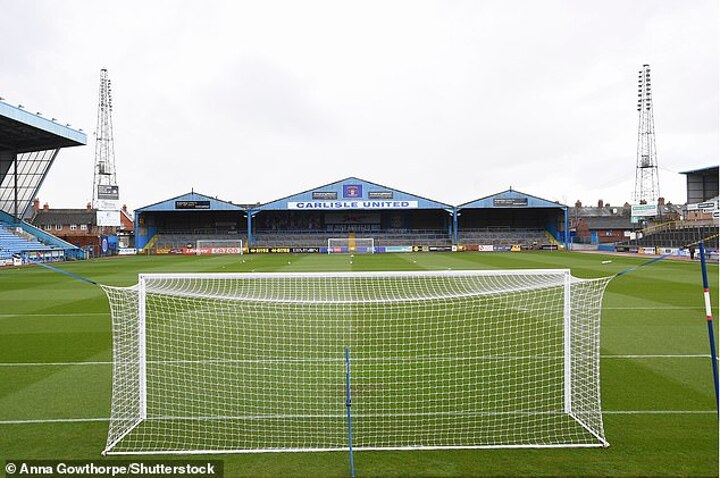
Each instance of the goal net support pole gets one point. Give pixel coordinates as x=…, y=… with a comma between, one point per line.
x=709, y=318
x=251, y=363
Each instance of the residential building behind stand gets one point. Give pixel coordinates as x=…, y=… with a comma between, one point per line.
x=79, y=227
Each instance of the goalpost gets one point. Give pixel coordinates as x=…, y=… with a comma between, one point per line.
x=219, y=246
x=234, y=363
x=351, y=245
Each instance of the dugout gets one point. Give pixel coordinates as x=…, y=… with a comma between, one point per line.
x=188, y=215
x=518, y=216
x=350, y=206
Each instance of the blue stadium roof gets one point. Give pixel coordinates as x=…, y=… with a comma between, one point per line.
x=22, y=132
x=351, y=194
x=190, y=202
x=511, y=200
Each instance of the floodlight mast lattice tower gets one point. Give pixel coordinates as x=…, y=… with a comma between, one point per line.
x=104, y=179
x=647, y=183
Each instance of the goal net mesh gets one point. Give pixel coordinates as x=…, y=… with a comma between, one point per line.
x=219, y=246
x=255, y=362
x=351, y=244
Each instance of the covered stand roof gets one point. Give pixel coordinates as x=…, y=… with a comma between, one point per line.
x=23, y=132
x=511, y=200
x=191, y=201
x=29, y=145
x=351, y=194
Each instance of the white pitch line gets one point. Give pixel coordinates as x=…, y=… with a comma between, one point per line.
x=89, y=314
x=51, y=364
x=641, y=356
x=78, y=314
x=99, y=363
x=655, y=308
x=53, y=420
x=94, y=363
x=659, y=412
x=606, y=412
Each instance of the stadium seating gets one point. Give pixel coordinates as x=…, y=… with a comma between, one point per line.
x=176, y=241
x=387, y=237
x=17, y=243
x=679, y=235
x=502, y=236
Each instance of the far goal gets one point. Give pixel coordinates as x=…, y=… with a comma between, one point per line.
x=353, y=245
x=247, y=363
x=218, y=246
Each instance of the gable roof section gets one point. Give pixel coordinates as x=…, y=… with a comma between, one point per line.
x=510, y=199
x=352, y=193
x=190, y=202
x=49, y=217
x=608, y=223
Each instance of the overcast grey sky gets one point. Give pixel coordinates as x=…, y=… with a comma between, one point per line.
x=252, y=101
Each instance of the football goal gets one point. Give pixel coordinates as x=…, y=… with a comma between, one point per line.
x=237, y=363
x=219, y=246
x=351, y=245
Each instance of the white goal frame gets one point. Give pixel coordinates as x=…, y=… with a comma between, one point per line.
x=219, y=246
x=337, y=245
x=580, y=348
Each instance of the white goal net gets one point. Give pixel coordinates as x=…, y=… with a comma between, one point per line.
x=213, y=363
x=351, y=245
x=219, y=246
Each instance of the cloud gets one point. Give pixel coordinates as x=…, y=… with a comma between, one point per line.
x=255, y=101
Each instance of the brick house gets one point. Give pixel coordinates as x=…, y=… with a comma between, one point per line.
x=79, y=226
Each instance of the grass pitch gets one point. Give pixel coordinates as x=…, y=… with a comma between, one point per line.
x=658, y=399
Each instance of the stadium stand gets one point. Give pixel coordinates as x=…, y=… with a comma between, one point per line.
x=29, y=145
x=679, y=234
x=512, y=218
x=354, y=207
x=18, y=243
